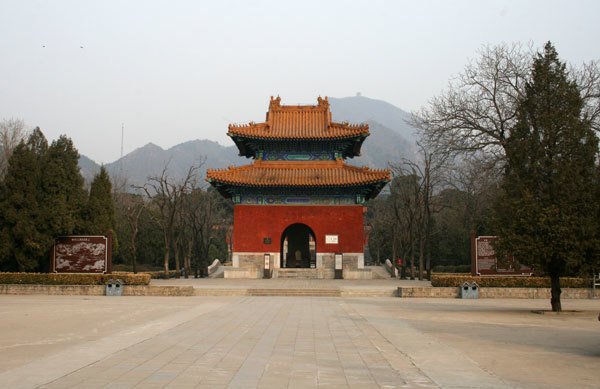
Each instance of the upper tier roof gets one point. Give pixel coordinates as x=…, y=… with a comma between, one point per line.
x=298, y=174
x=299, y=122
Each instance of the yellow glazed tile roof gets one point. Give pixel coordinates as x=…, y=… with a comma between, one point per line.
x=288, y=173
x=299, y=122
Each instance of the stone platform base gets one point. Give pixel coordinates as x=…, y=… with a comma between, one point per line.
x=298, y=273
x=243, y=272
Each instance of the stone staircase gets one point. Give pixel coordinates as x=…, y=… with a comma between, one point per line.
x=294, y=292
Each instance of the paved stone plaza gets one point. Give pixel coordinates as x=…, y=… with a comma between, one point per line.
x=295, y=342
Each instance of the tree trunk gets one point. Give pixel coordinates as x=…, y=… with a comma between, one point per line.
x=176, y=253
x=187, y=260
x=167, y=262
x=134, y=261
x=555, y=300
x=167, y=250
x=412, y=260
x=421, y=249
x=134, y=252
x=428, y=263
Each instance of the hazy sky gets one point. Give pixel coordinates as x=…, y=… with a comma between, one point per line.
x=174, y=71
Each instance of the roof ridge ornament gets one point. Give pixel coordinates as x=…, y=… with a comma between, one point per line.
x=324, y=102
x=275, y=102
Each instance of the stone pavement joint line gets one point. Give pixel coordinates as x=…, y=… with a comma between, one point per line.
x=274, y=342
x=294, y=342
x=267, y=342
x=54, y=366
x=444, y=365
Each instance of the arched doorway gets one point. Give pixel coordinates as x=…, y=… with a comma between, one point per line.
x=298, y=247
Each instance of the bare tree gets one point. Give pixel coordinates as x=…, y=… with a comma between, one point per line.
x=479, y=107
x=415, y=204
x=405, y=193
x=381, y=221
x=204, y=219
x=12, y=131
x=167, y=196
x=131, y=206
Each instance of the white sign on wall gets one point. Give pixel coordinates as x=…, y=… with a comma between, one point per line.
x=331, y=239
x=267, y=260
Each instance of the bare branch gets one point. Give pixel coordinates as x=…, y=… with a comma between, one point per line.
x=12, y=132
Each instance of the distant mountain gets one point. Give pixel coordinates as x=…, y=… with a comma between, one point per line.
x=361, y=109
x=150, y=160
x=88, y=168
x=382, y=147
x=391, y=139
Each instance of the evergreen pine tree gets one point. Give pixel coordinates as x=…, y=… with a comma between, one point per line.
x=64, y=197
x=23, y=246
x=100, y=209
x=546, y=214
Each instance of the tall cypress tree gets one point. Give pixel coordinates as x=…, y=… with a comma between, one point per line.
x=546, y=214
x=23, y=245
x=64, y=197
x=100, y=209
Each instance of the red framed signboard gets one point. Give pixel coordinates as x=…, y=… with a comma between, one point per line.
x=82, y=254
x=485, y=263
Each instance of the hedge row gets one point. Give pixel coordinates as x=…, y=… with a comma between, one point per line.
x=153, y=274
x=509, y=282
x=161, y=274
x=452, y=269
x=72, y=279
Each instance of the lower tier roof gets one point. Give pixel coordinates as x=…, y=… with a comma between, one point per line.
x=305, y=174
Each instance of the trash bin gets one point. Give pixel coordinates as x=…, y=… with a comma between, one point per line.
x=474, y=290
x=114, y=287
x=465, y=290
x=469, y=290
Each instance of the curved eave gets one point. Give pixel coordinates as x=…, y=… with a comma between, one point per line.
x=227, y=189
x=243, y=147
x=298, y=138
x=246, y=149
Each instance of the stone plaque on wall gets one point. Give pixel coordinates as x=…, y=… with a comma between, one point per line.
x=81, y=254
x=331, y=239
x=485, y=261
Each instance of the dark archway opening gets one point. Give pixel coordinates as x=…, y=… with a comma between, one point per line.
x=298, y=247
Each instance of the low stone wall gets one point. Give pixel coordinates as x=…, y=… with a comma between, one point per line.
x=68, y=290
x=95, y=290
x=357, y=274
x=422, y=291
x=537, y=293
x=243, y=272
x=507, y=293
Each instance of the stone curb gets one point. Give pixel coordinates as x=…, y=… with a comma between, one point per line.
x=491, y=293
x=402, y=291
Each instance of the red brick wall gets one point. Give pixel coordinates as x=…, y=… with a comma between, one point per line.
x=252, y=223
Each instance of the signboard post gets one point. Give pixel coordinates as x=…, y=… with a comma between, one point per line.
x=267, y=273
x=339, y=273
x=485, y=263
x=82, y=254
